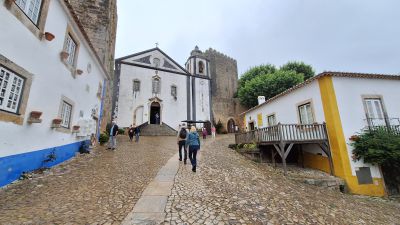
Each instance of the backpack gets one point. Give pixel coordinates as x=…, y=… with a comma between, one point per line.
x=183, y=133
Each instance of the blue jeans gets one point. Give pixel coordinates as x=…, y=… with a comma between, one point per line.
x=192, y=154
x=137, y=138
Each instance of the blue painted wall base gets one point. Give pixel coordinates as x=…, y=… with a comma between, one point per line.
x=11, y=167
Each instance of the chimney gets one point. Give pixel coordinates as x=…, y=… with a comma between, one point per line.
x=261, y=100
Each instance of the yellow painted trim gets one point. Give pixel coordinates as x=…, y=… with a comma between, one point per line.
x=340, y=157
x=314, y=161
x=259, y=120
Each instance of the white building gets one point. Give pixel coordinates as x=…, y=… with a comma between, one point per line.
x=61, y=79
x=151, y=83
x=347, y=103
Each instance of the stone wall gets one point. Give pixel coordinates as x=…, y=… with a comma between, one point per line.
x=99, y=19
x=224, y=75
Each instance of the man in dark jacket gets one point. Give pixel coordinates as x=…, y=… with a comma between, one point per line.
x=113, y=136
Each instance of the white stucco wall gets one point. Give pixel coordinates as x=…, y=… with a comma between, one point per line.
x=172, y=111
x=202, y=99
x=286, y=112
x=349, y=93
x=51, y=81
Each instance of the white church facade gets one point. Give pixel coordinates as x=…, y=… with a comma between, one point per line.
x=153, y=89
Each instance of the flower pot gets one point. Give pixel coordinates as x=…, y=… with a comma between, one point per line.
x=79, y=72
x=64, y=55
x=57, y=121
x=36, y=114
x=49, y=36
x=354, y=138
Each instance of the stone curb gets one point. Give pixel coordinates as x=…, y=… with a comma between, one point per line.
x=150, y=208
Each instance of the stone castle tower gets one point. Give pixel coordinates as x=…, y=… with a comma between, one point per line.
x=224, y=76
x=99, y=19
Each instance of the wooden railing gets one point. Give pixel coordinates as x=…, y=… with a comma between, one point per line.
x=300, y=133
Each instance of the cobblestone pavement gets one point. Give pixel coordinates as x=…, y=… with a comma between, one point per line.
x=230, y=189
x=98, y=188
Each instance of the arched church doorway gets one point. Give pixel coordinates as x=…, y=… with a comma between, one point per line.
x=155, y=113
x=231, y=126
x=138, y=116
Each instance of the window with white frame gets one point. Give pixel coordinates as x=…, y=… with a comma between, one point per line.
x=156, y=85
x=173, y=91
x=31, y=8
x=11, y=86
x=70, y=48
x=65, y=114
x=136, y=86
x=271, y=120
x=374, y=111
x=305, y=114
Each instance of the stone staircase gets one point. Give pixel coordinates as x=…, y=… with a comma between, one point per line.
x=157, y=130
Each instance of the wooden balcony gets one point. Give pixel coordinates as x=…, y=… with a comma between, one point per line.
x=289, y=133
x=284, y=136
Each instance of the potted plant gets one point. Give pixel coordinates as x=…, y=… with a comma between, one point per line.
x=56, y=123
x=64, y=55
x=35, y=114
x=49, y=36
x=79, y=72
x=75, y=129
x=34, y=117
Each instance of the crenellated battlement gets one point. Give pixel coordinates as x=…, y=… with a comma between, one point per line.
x=212, y=51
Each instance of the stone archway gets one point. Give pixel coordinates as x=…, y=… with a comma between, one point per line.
x=231, y=126
x=155, y=113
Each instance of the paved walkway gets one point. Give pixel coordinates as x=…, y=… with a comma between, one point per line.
x=229, y=189
x=99, y=188
x=145, y=184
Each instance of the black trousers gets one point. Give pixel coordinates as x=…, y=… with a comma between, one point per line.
x=181, y=144
x=192, y=154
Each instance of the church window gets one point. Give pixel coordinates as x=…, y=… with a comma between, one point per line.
x=174, y=91
x=31, y=8
x=136, y=86
x=156, y=87
x=201, y=67
x=11, y=86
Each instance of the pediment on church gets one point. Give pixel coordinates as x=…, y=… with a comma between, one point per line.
x=155, y=59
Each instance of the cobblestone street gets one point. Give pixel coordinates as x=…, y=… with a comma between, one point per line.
x=230, y=189
x=98, y=188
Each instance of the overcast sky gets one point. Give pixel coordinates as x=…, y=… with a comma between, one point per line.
x=331, y=35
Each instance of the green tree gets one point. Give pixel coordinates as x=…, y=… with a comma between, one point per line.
x=379, y=146
x=299, y=67
x=268, y=85
x=255, y=72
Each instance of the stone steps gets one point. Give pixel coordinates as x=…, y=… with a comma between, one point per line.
x=157, y=130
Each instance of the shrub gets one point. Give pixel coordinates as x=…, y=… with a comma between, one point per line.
x=103, y=138
x=218, y=127
x=379, y=146
x=121, y=131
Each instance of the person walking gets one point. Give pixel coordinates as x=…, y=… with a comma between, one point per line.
x=113, y=136
x=137, y=133
x=131, y=132
x=193, y=142
x=213, y=130
x=204, y=132
x=157, y=118
x=182, y=134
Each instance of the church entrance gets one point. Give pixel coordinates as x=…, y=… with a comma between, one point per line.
x=231, y=126
x=155, y=113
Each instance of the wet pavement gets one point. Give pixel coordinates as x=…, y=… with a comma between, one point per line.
x=230, y=189
x=97, y=188
x=103, y=188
